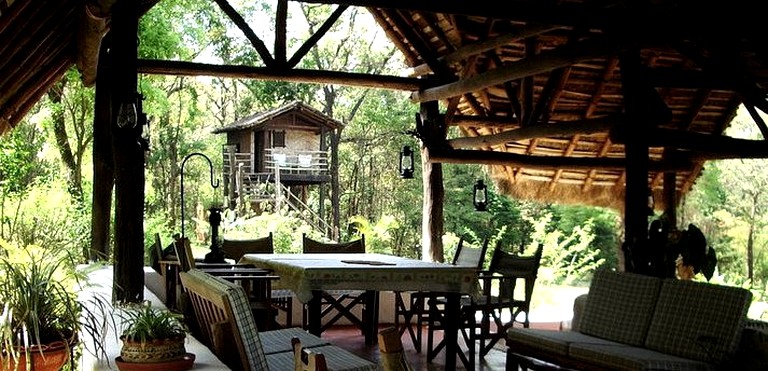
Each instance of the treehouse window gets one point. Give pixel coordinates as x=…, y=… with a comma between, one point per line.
x=278, y=139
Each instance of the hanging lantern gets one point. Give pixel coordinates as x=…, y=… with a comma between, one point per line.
x=406, y=163
x=480, y=198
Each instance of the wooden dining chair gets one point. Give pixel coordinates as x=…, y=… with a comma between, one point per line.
x=498, y=295
x=415, y=314
x=340, y=303
x=282, y=300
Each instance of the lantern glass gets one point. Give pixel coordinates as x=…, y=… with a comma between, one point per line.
x=406, y=163
x=480, y=196
x=127, y=116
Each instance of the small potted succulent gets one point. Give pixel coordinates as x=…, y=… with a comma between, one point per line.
x=152, y=335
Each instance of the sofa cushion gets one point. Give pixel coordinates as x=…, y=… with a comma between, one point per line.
x=619, y=306
x=550, y=340
x=698, y=320
x=624, y=357
x=337, y=359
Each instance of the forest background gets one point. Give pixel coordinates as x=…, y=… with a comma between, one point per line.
x=46, y=168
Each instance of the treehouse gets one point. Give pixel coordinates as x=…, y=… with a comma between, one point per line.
x=286, y=148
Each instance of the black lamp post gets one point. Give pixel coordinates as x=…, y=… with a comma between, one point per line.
x=215, y=256
x=480, y=196
x=406, y=163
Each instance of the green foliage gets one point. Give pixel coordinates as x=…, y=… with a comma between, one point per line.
x=20, y=165
x=46, y=216
x=567, y=258
x=286, y=229
x=143, y=323
x=39, y=299
x=378, y=236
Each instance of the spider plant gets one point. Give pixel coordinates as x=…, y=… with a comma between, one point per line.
x=39, y=303
x=143, y=323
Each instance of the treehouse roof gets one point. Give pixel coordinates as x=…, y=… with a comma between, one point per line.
x=301, y=114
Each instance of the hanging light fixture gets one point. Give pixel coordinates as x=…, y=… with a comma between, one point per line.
x=406, y=163
x=480, y=196
x=127, y=114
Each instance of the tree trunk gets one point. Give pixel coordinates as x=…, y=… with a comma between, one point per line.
x=74, y=183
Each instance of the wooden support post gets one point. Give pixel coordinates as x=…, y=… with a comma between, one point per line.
x=103, y=167
x=645, y=110
x=128, y=156
x=670, y=198
x=434, y=193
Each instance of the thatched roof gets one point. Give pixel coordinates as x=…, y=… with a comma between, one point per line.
x=305, y=111
x=538, y=89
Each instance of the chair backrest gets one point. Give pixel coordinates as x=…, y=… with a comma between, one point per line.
x=516, y=267
x=312, y=246
x=304, y=359
x=157, y=253
x=235, y=249
x=224, y=315
x=470, y=256
x=184, y=253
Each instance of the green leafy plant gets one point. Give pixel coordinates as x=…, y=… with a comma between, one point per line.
x=144, y=323
x=39, y=302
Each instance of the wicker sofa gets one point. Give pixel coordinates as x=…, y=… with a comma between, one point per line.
x=636, y=322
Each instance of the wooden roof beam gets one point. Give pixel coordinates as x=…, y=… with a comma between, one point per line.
x=309, y=43
x=458, y=156
x=178, y=68
x=256, y=42
x=707, y=146
x=592, y=126
x=473, y=49
x=544, y=62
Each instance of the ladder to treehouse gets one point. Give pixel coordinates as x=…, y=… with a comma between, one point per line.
x=256, y=191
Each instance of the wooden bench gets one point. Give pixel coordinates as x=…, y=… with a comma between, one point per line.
x=225, y=319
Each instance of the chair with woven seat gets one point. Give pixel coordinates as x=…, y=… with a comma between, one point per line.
x=340, y=301
x=498, y=295
x=228, y=327
x=282, y=300
x=418, y=311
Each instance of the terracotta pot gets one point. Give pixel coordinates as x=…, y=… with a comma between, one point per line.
x=163, y=350
x=52, y=358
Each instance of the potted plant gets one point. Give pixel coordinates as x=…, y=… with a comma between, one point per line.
x=41, y=314
x=152, y=335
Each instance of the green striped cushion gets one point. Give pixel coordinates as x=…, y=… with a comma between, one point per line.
x=619, y=306
x=337, y=359
x=249, y=333
x=698, y=320
x=622, y=357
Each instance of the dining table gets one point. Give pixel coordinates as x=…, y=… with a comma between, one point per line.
x=308, y=275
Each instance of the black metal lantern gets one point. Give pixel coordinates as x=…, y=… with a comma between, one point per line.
x=480, y=196
x=406, y=163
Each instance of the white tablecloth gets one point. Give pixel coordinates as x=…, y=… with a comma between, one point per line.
x=302, y=273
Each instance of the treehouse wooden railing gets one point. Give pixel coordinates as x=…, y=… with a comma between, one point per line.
x=289, y=161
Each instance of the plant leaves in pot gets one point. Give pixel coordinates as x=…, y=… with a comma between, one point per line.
x=151, y=335
x=41, y=315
